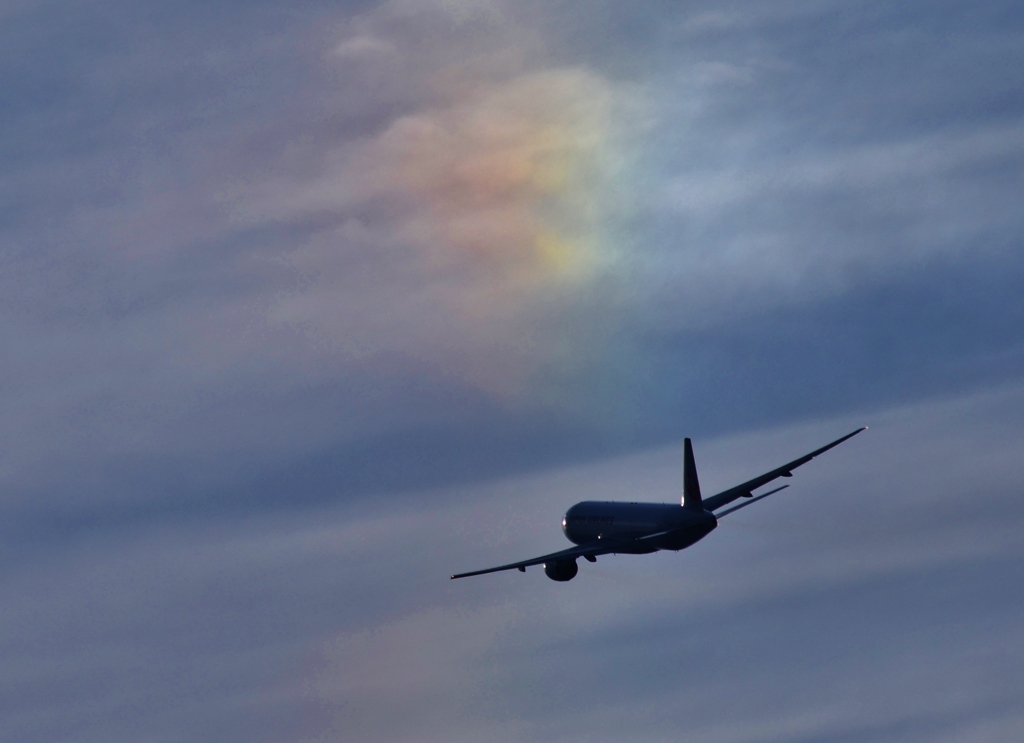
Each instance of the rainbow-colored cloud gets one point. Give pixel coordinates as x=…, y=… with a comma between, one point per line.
x=476, y=216
x=511, y=178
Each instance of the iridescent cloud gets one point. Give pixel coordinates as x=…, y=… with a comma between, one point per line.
x=484, y=208
x=511, y=179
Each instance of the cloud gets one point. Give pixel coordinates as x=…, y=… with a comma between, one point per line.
x=459, y=230
x=477, y=225
x=305, y=308
x=475, y=240
x=829, y=600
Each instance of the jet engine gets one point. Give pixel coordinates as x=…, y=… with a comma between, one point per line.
x=561, y=570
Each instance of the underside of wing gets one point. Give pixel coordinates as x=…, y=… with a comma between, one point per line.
x=589, y=551
x=746, y=489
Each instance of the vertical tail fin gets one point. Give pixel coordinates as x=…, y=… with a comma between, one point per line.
x=691, y=486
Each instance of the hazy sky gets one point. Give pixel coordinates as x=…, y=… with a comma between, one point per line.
x=305, y=306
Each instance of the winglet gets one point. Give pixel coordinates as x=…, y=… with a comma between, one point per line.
x=691, y=499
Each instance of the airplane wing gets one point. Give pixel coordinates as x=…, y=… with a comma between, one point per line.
x=786, y=470
x=589, y=551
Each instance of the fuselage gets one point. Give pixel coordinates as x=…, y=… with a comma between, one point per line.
x=628, y=522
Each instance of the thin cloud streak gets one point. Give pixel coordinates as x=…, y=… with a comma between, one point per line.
x=827, y=600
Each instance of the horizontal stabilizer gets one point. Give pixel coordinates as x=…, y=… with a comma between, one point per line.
x=727, y=511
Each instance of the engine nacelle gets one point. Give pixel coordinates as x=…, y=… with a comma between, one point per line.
x=561, y=570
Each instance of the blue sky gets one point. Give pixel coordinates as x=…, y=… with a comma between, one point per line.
x=306, y=307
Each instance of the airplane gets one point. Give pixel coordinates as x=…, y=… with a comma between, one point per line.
x=617, y=528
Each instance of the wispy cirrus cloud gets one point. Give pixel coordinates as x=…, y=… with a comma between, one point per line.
x=480, y=209
x=424, y=217
x=305, y=307
x=829, y=599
